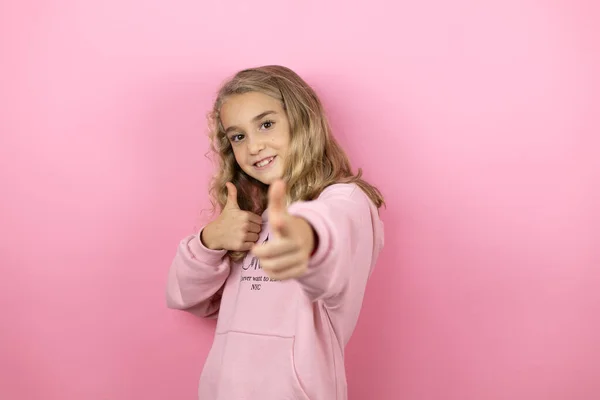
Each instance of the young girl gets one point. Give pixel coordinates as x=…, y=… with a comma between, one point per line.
x=285, y=264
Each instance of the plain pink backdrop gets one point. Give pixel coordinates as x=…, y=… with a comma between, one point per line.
x=478, y=120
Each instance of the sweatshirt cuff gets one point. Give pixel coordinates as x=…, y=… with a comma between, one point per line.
x=318, y=224
x=201, y=252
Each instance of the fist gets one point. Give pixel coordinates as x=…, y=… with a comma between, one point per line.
x=234, y=229
x=291, y=240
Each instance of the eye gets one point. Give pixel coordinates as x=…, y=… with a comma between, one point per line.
x=267, y=124
x=236, y=138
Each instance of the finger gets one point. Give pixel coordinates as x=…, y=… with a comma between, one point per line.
x=254, y=228
x=254, y=218
x=251, y=237
x=277, y=196
x=274, y=248
x=247, y=246
x=231, y=196
x=283, y=262
x=277, y=207
x=280, y=225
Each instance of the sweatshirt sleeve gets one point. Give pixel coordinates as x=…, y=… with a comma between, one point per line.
x=341, y=218
x=196, y=277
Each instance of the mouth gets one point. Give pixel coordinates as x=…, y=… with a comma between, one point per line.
x=265, y=162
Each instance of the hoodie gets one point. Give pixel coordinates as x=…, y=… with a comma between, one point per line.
x=283, y=340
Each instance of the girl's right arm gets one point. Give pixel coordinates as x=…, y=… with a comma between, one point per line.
x=201, y=265
x=196, y=277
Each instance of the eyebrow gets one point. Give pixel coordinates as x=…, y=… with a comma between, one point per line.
x=255, y=119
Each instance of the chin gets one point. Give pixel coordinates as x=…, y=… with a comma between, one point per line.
x=266, y=178
x=267, y=181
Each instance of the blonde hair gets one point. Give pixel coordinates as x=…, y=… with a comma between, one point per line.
x=315, y=159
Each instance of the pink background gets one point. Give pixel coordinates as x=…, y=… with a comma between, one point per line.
x=478, y=120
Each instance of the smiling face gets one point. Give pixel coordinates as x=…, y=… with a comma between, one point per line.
x=258, y=129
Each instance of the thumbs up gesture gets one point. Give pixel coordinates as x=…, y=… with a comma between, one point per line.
x=234, y=229
x=291, y=241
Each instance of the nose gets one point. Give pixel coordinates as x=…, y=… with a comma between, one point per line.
x=255, y=145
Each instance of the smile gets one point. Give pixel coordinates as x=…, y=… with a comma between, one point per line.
x=264, y=162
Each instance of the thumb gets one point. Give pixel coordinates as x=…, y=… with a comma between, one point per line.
x=277, y=207
x=231, y=196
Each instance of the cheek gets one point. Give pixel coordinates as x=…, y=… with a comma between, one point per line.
x=282, y=140
x=238, y=154
x=285, y=143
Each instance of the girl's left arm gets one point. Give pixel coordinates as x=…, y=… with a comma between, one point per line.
x=349, y=238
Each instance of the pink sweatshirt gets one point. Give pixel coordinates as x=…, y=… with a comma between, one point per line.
x=283, y=340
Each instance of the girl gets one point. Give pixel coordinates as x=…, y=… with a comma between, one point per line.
x=285, y=264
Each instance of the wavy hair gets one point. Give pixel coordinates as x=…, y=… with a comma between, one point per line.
x=315, y=159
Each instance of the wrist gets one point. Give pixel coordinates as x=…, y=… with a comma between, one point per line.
x=309, y=236
x=208, y=239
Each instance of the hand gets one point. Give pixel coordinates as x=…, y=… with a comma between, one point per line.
x=234, y=229
x=291, y=241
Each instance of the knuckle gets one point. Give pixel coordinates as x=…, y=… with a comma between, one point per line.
x=239, y=243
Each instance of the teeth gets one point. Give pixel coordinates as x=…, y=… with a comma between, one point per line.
x=264, y=162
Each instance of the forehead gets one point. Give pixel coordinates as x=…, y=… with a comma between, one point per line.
x=240, y=109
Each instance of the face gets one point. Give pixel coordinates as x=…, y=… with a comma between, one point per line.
x=257, y=127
